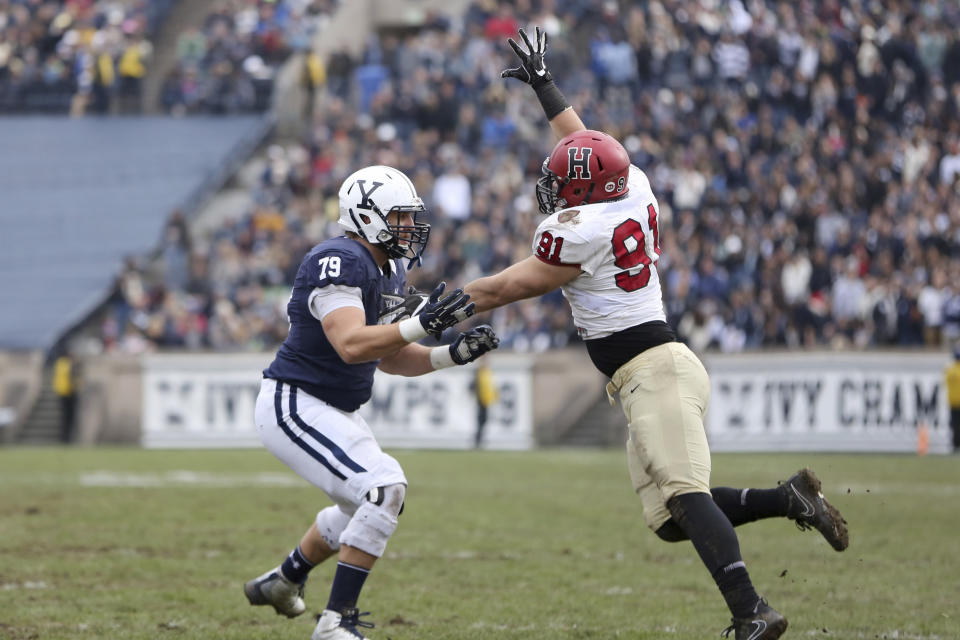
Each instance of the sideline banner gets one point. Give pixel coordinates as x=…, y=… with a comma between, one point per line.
x=439, y=410
x=827, y=402
x=201, y=400
x=207, y=400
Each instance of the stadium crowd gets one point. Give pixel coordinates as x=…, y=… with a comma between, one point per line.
x=85, y=56
x=805, y=155
x=91, y=56
x=229, y=65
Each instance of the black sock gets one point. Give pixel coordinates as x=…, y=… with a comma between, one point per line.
x=347, y=583
x=715, y=540
x=747, y=505
x=738, y=592
x=740, y=506
x=296, y=567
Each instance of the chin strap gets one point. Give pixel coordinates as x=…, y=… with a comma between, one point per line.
x=359, y=227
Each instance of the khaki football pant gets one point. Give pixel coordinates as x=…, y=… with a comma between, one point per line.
x=664, y=393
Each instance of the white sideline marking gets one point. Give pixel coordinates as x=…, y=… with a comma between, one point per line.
x=465, y=554
x=894, y=634
x=188, y=478
x=619, y=591
x=893, y=488
x=14, y=586
x=482, y=625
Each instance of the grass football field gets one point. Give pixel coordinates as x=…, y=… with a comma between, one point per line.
x=112, y=543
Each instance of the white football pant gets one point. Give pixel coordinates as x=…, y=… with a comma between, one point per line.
x=331, y=449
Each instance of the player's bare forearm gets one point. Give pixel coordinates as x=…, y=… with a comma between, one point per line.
x=567, y=122
x=355, y=341
x=371, y=343
x=411, y=360
x=526, y=279
x=501, y=289
x=485, y=294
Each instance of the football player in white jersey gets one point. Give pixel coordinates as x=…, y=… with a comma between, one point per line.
x=600, y=244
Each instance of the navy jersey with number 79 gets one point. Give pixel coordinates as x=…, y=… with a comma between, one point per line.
x=306, y=358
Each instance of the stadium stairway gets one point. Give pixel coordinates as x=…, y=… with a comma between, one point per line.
x=601, y=426
x=43, y=424
x=184, y=14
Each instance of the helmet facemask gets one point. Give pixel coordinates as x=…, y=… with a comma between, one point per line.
x=548, y=188
x=401, y=241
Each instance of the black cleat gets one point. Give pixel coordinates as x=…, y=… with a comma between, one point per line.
x=811, y=510
x=764, y=624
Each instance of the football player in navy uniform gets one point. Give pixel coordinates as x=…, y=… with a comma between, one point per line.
x=600, y=243
x=349, y=316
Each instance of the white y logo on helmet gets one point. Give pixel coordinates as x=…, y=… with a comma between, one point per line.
x=366, y=203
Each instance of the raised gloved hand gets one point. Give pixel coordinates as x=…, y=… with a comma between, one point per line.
x=533, y=68
x=437, y=314
x=472, y=344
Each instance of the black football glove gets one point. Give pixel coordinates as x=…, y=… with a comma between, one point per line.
x=438, y=314
x=472, y=344
x=533, y=68
x=397, y=308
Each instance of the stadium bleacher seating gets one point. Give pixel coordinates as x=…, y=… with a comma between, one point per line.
x=80, y=195
x=52, y=52
x=806, y=160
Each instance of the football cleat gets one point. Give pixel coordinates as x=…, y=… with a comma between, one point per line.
x=272, y=588
x=764, y=624
x=334, y=625
x=811, y=510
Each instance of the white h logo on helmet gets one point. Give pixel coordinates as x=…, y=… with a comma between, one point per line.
x=582, y=163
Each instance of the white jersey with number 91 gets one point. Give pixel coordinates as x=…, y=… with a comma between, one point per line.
x=616, y=245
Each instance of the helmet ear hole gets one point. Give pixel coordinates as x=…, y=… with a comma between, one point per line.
x=365, y=218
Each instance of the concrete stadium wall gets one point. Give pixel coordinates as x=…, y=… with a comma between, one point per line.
x=21, y=379
x=112, y=400
x=817, y=401
x=565, y=386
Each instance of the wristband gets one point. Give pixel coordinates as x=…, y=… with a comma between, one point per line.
x=553, y=102
x=440, y=357
x=411, y=329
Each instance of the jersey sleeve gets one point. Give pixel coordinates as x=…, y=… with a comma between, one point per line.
x=558, y=241
x=336, y=266
x=320, y=302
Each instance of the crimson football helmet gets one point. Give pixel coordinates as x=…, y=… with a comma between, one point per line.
x=585, y=167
